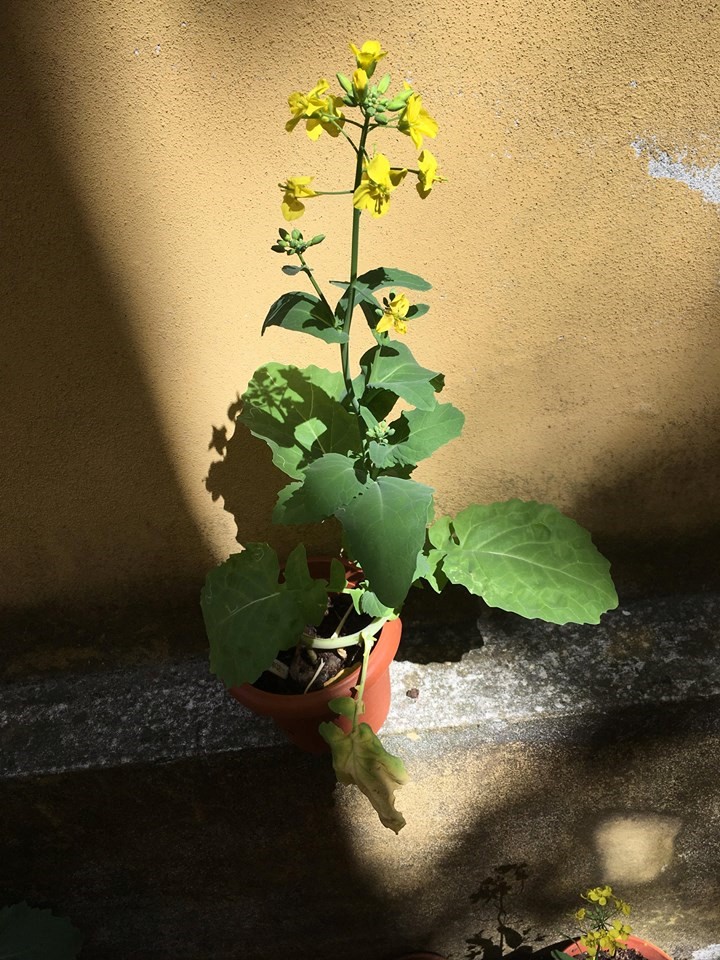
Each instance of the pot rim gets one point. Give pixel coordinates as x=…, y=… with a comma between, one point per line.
x=649, y=950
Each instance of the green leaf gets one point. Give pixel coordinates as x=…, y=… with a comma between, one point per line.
x=329, y=483
x=429, y=568
x=249, y=615
x=418, y=434
x=299, y=415
x=392, y=277
x=363, y=298
x=305, y=313
x=338, y=578
x=391, y=366
x=375, y=405
x=29, y=933
x=385, y=531
x=417, y=310
x=360, y=758
x=528, y=558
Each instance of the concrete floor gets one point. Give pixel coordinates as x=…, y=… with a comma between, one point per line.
x=168, y=823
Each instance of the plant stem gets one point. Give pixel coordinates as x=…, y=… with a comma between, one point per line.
x=354, y=256
x=359, y=707
x=334, y=643
x=314, y=282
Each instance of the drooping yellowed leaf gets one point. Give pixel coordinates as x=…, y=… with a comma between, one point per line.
x=360, y=758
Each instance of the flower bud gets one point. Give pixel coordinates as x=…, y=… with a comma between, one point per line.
x=345, y=83
x=318, y=239
x=296, y=235
x=384, y=83
x=381, y=118
x=400, y=99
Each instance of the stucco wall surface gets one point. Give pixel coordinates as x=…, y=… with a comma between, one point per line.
x=573, y=253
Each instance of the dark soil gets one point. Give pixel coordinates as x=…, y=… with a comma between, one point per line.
x=310, y=669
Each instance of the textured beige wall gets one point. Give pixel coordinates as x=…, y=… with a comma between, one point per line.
x=574, y=256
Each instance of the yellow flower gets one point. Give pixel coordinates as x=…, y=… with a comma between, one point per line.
x=620, y=931
x=428, y=174
x=379, y=179
x=396, y=309
x=599, y=895
x=415, y=121
x=621, y=906
x=368, y=55
x=359, y=82
x=320, y=113
x=295, y=187
x=580, y=914
x=591, y=942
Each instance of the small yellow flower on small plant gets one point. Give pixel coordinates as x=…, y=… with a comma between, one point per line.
x=369, y=54
x=319, y=112
x=295, y=188
x=379, y=179
x=427, y=173
x=415, y=121
x=394, y=315
x=602, y=925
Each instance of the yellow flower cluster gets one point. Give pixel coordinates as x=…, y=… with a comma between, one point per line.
x=322, y=112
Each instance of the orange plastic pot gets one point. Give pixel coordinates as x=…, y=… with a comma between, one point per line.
x=299, y=715
x=643, y=947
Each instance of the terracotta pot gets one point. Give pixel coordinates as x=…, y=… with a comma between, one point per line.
x=299, y=715
x=648, y=950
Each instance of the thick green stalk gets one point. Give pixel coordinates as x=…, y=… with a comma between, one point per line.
x=354, y=256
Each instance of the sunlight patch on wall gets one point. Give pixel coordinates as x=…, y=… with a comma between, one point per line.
x=636, y=849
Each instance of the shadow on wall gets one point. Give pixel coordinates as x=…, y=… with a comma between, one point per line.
x=245, y=475
x=91, y=512
x=664, y=553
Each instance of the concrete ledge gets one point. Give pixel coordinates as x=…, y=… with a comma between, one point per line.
x=664, y=651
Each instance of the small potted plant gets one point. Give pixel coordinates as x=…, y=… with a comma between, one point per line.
x=606, y=932
x=348, y=454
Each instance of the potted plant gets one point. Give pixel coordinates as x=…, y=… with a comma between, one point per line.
x=348, y=454
x=606, y=932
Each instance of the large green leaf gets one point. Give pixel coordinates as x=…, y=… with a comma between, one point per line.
x=299, y=415
x=329, y=483
x=385, y=531
x=31, y=933
x=529, y=558
x=417, y=434
x=391, y=366
x=249, y=615
x=359, y=758
x=392, y=277
x=305, y=313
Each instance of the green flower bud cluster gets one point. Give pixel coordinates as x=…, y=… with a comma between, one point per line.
x=375, y=104
x=292, y=242
x=381, y=432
